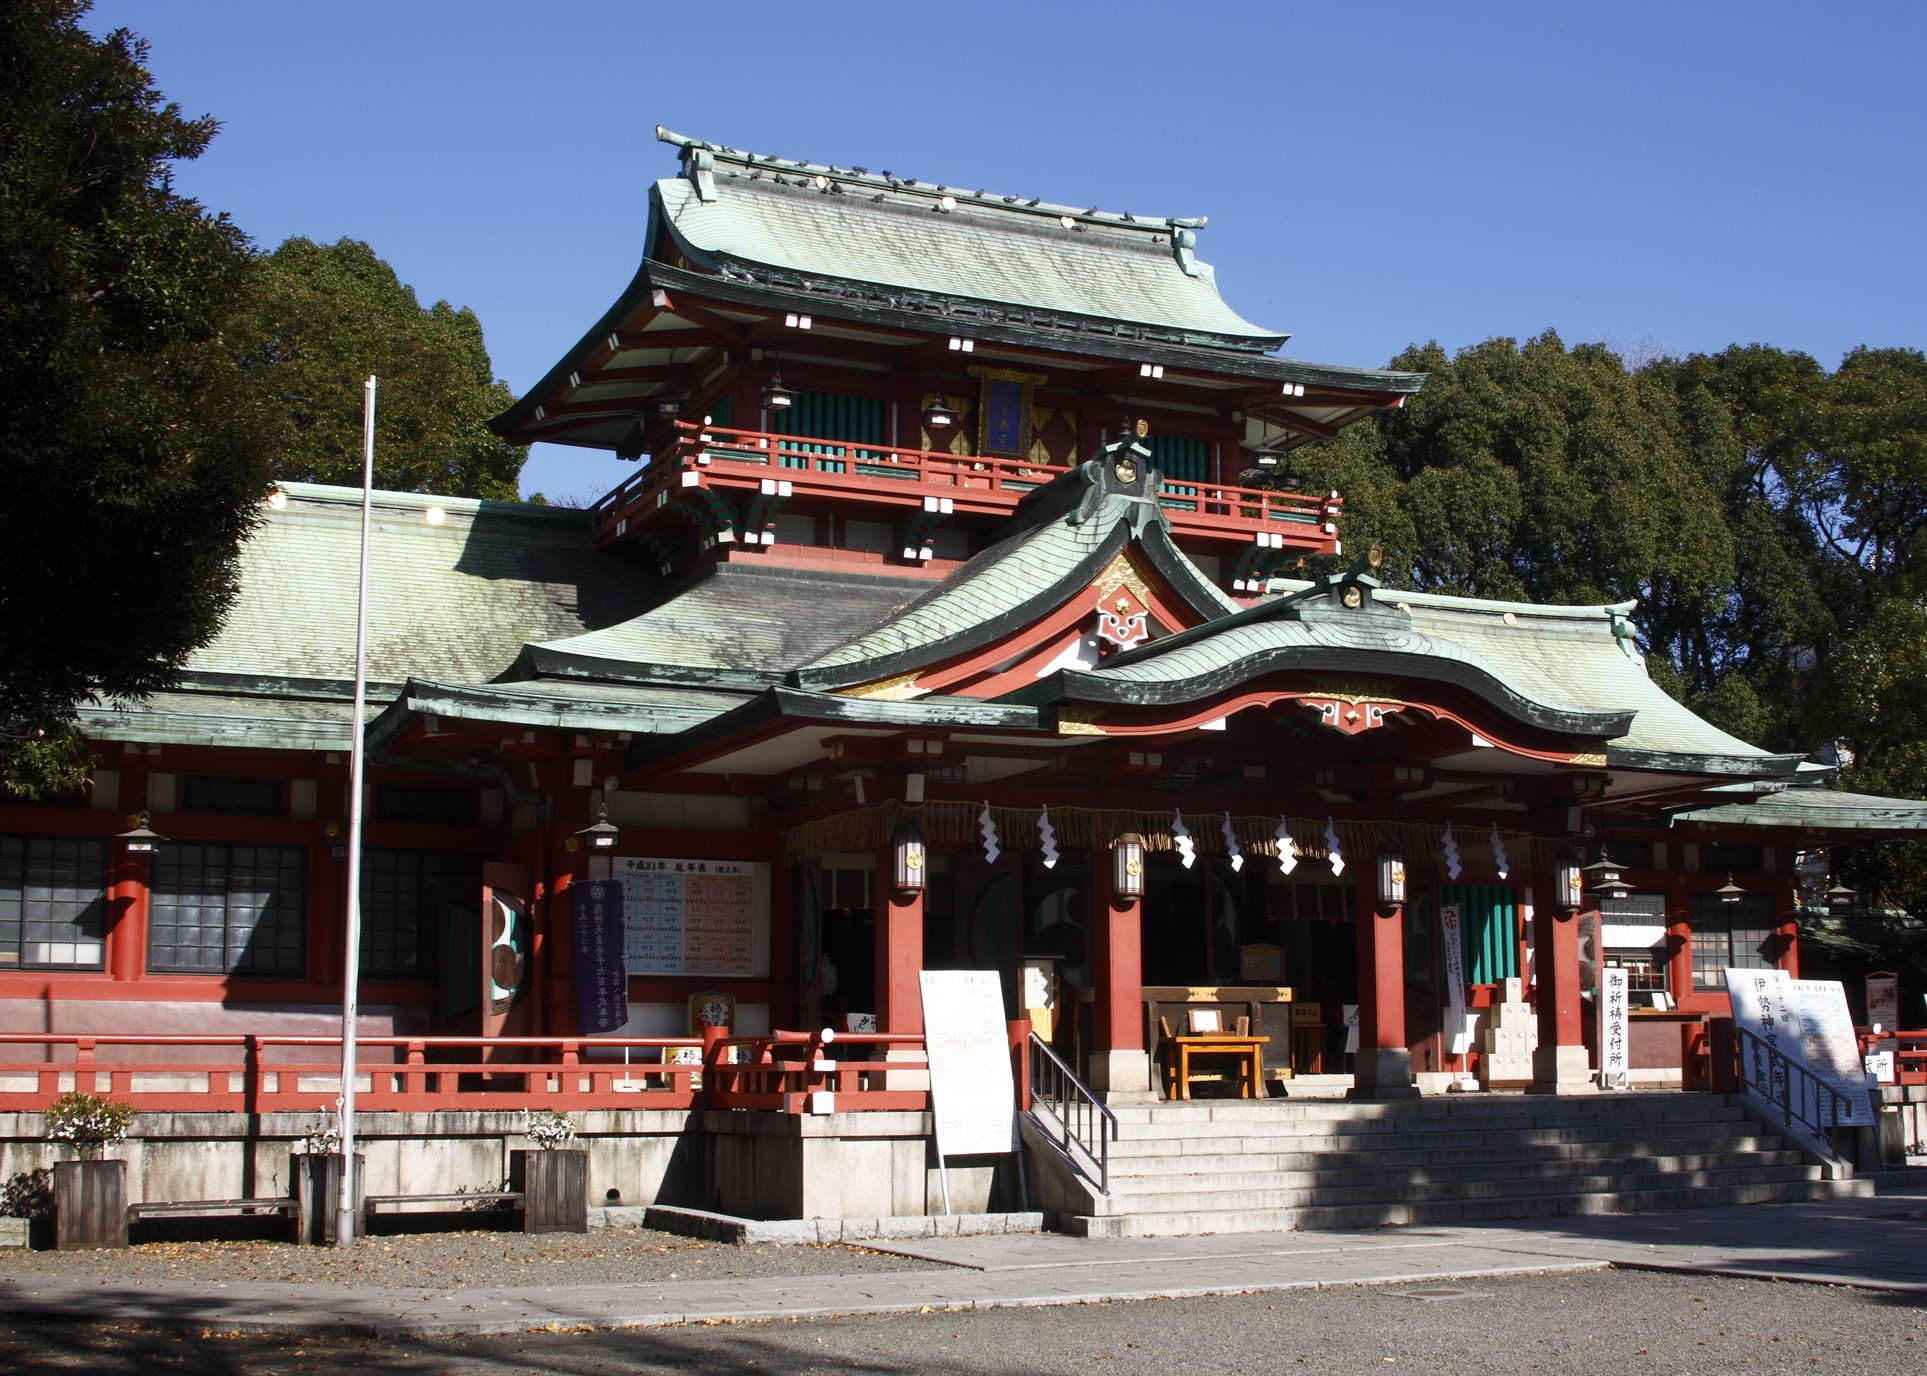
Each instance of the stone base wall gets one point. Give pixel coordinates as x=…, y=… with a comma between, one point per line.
x=636, y=1157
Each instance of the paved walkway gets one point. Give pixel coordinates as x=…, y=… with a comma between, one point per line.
x=1879, y=1242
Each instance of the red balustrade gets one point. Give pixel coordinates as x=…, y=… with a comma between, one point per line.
x=784, y=1072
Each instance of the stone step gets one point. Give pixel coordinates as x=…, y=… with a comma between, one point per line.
x=1616, y=1106
x=1636, y=1137
x=1167, y=1121
x=1294, y=1169
x=1448, y=1212
x=1222, y=1194
x=1263, y=1153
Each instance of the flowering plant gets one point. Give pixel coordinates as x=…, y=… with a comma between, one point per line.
x=88, y=1121
x=547, y=1128
x=324, y=1138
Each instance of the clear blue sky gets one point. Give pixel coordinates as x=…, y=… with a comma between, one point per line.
x=1678, y=176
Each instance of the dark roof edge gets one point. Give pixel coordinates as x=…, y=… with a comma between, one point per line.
x=1078, y=686
x=1672, y=762
x=543, y=662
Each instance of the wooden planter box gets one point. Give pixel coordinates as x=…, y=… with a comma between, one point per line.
x=90, y=1204
x=317, y=1192
x=555, y=1190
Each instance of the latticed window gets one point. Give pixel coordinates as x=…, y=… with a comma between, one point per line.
x=403, y=894
x=227, y=909
x=1737, y=935
x=1644, y=974
x=53, y=902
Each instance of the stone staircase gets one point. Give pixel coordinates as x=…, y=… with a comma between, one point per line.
x=1231, y=1166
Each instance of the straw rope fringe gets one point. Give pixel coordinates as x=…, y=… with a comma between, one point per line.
x=955, y=825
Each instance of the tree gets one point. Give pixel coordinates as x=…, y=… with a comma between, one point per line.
x=133, y=455
x=320, y=318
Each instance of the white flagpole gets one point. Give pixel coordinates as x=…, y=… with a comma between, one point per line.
x=345, y=1221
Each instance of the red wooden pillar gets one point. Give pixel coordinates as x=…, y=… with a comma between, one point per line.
x=1382, y=1069
x=1119, y=1068
x=129, y=879
x=1787, y=934
x=1560, y=1064
x=1679, y=943
x=899, y=934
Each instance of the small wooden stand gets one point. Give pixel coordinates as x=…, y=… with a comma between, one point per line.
x=555, y=1189
x=90, y=1204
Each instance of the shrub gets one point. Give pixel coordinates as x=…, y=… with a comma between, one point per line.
x=89, y=1122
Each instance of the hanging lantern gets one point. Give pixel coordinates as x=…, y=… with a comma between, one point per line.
x=937, y=416
x=1840, y=899
x=143, y=839
x=1391, y=877
x=1569, y=883
x=908, y=857
x=1606, y=881
x=1127, y=866
x=777, y=397
x=1729, y=892
x=602, y=834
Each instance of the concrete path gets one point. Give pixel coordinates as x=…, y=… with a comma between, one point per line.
x=1879, y=1242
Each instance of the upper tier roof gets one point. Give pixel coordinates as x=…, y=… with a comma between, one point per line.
x=898, y=239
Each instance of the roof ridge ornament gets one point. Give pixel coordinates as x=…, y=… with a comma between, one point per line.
x=1122, y=469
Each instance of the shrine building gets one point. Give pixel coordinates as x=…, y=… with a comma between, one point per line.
x=948, y=613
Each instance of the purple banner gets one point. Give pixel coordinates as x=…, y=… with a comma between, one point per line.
x=601, y=981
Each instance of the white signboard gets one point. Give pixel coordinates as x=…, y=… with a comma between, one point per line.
x=1883, y=1012
x=1773, y=1008
x=1615, y=1026
x=694, y=917
x=973, y=1096
x=1351, y=1029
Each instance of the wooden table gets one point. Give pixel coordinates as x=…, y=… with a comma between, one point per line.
x=1248, y=1050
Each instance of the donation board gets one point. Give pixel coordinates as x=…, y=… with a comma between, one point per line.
x=1459, y=1025
x=1807, y=1022
x=973, y=1096
x=694, y=917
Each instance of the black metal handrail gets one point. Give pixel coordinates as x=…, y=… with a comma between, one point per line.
x=1775, y=1076
x=1084, y=1127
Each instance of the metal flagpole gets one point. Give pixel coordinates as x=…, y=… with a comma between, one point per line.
x=345, y=1222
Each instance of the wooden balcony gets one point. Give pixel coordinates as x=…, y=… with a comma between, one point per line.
x=720, y=486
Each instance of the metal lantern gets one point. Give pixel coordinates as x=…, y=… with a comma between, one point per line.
x=908, y=857
x=777, y=397
x=143, y=839
x=1127, y=866
x=1605, y=876
x=1840, y=899
x=601, y=834
x=1391, y=877
x=937, y=416
x=1730, y=892
x=1569, y=883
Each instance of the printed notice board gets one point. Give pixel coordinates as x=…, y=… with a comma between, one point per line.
x=1807, y=1022
x=973, y=1096
x=694, y=917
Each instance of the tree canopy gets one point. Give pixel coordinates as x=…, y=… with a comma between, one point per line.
x=133, y=454
x=1769, y=517
x=318, y=319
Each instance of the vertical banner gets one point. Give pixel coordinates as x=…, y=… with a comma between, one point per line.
x=601, y=981
x=1615, y=1004
x=973, y=1096
x=1458, y=1025
x=507, y=938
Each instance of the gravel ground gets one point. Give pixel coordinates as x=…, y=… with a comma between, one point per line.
x=450, y=1260
x=1604, y=1323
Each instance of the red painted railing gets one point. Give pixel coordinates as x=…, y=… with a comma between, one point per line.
x=757, y=465
x=785, y=1071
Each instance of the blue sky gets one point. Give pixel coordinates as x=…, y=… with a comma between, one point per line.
x=1672, y=176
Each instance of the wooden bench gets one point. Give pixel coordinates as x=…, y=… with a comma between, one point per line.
x=371, y=1203
x=178, y=1207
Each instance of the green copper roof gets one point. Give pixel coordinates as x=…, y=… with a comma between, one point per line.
x=639, y=709
x=1820, y=809
x=971, y=253
x=454, y=600
x=1062, y=537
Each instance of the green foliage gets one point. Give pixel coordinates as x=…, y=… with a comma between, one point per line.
x=132, y=454
x=320, y=318
x=87, y=1121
